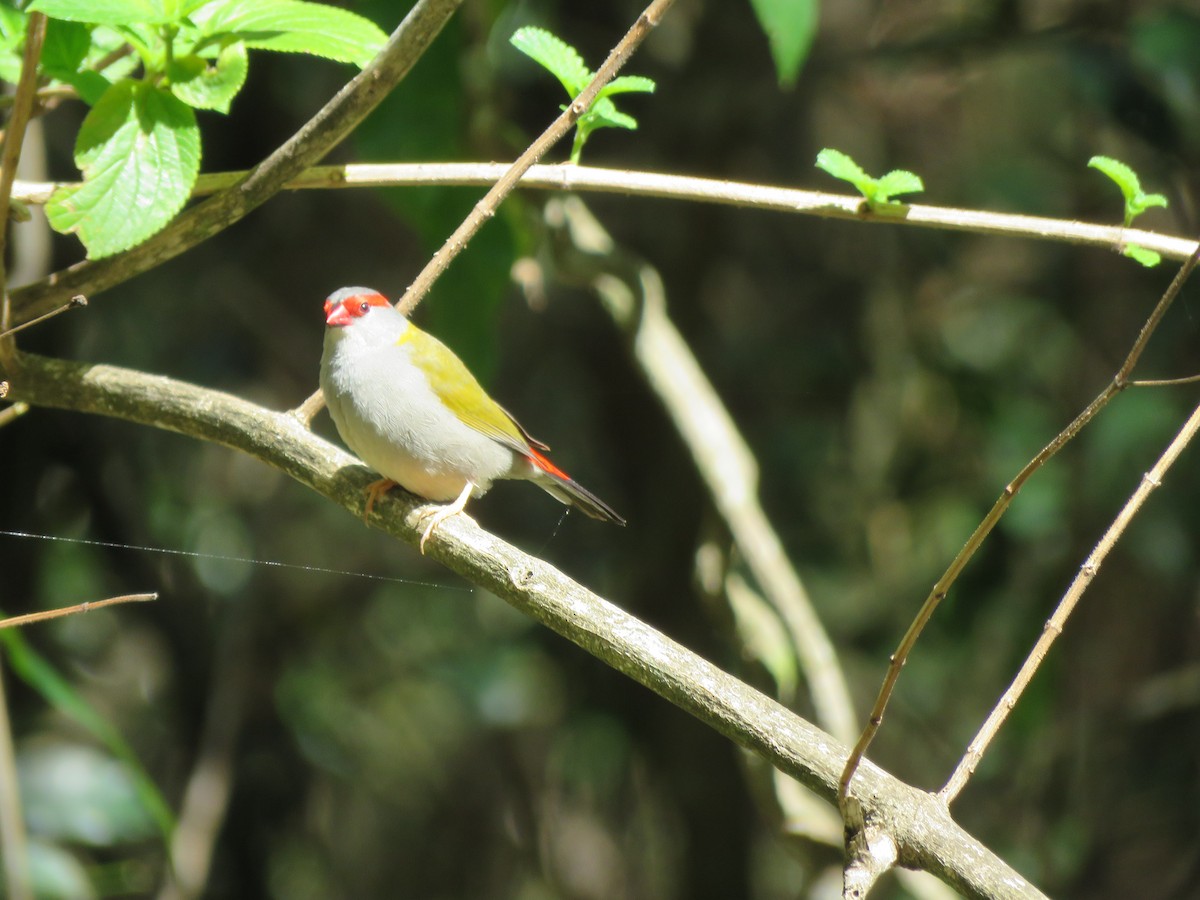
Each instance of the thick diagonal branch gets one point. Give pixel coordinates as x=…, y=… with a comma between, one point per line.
x=926, y=837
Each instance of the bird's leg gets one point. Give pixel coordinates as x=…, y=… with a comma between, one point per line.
x=443, y=513
x=375, y=490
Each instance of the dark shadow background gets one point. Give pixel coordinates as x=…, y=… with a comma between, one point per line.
x=419, y=739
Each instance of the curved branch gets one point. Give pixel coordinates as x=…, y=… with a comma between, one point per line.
x=318, y=136
x=925, y=835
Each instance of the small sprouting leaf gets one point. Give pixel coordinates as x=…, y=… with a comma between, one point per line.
x=204, y=85
x=878, y=192
x=1147, y=258
x=627, y=84
x=139, y=150
x=554, y=54
x=1124, y=176
x=897, y=181
x=1137, y=201
x=561, y=59
x=605, y=113
x=790, y=26
x=294, y=26
x=839, y=165
x=106, y=12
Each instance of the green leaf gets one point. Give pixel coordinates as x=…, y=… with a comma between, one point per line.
x=12, y=40
x=12, y=26
x=1137, y=201
x=139, y=150
x=790, y=26
x=106, y=12
x=210, y=86
x=555, y=55
x=878, y=192
x=1143, y=202
x=1124, y=176
x=605, y=113
x=839, y=165
x=66, y=47
x=626, y=84
x=897, y=181
x=36, y=672
x=1147, y=258
x=294, y=26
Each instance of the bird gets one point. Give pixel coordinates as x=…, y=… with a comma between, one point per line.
x=411, y=410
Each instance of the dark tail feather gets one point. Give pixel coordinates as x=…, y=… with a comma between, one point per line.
x=559, y=485
x=567, y=491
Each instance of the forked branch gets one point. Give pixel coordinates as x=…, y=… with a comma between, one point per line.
x=1119, y=382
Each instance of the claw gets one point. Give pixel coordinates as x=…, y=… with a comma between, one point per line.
x=441, y=514
x=375, y=490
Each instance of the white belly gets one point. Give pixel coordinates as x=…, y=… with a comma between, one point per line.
x=387, y=414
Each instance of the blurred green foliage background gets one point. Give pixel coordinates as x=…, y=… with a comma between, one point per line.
x=416, y=737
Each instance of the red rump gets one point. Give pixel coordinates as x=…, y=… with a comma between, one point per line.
x=546, y=466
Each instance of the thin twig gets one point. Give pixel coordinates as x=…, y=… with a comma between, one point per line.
x=315, y=139
x=14, y=136
x=899, y=657
x=77, y=302
x=29, y=618
x=1087, y=572
x=1164, y=382
x=582, y=179
x=486, y=207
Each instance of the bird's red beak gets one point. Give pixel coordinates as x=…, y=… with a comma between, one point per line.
x=337, y=314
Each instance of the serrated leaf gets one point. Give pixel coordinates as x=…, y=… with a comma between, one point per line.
x=1143, y=202
x=139, y=150
x=1122, y=174
x=1147, y=258
x=202, y=85
x=790, y=26
x=105, y=12
x=604, y=113
x=897, y=181
x=554, y=54
x=65, y=48
x=626, y=84
x=295, y=26
x=839, y=165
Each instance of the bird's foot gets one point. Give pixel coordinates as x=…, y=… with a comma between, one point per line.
x=439, y=514
x=375, y=490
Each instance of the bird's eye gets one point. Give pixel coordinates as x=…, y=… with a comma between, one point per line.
x=363, y=307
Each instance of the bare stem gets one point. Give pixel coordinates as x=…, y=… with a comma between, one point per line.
x=30, y=618
x=77, y=302
x=1087, y=572
x=900, y=656
x=14, y=136
x=582, y=179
